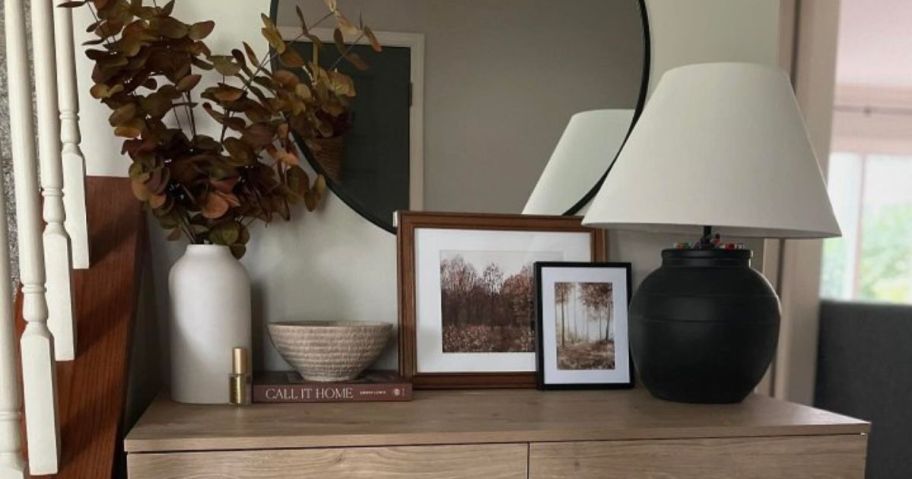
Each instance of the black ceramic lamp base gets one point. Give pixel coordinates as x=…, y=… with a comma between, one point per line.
x=704, y=326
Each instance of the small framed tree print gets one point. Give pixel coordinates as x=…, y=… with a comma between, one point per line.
x=581, y=312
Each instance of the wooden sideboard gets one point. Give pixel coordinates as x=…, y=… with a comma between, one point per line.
x=495, y=434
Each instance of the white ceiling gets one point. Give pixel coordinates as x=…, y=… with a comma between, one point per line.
x=875, y=43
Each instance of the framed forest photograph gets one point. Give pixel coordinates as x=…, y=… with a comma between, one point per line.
x=581, y=330
x=467, y=293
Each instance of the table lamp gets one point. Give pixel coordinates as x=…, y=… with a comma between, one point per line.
x=586, y=150
x=720, y=149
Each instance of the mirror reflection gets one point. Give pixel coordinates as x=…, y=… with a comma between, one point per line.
x=468, y=100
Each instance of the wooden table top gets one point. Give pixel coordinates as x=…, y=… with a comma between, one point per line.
x=464, y=417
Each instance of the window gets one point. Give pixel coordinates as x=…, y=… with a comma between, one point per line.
x=871, y=194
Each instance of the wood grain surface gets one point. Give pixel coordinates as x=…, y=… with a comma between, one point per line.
x=473, y=417
x=833, y=457
x=497, y=461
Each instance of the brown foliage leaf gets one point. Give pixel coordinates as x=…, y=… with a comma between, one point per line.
x=227, y=93
x=108, y=29
x=225, y=65
x=286, y=79
x=206, y=143
x=122, y=115
x=157, y=105
x=292, y=59
x=320, y=186
x=129, y=46
x=282, y=132
x=258, y=135
x=240, y=59
x=158, y=200
x=339, y=40
x=188, y=82
x=298, y=181
x=171, y=28
x=216, y=115
x=240, y=152
x=344, y=24
x=214, y=206
x=201, y=30
x=167, y=8
x=225, y=185
x=200, y=48
x=341, y=84
x=375, y=44
x=102, y=91
x=158, y=180
x=127, y=131
x=237, y=250
x=236, y=123
x=303, y=91
x=139, y=189
x=225, y=233
x=251, y=55
x=201, y=64
x=272, y=35
x=231, y=198
x=357, y=61
x=310, y=201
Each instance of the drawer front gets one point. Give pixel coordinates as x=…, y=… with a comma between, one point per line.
x=500, y=461
x=832, y=457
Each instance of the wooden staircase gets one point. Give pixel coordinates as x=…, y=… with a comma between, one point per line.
x=92, y=389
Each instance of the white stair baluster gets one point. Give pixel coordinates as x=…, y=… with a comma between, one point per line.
x=74, y=169
x=57, y=259
x=39, y=376
x=12, y=466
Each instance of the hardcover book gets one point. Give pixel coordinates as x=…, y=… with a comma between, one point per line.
x=289, y=387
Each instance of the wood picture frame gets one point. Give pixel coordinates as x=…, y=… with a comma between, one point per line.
x=575, y=275
x=411, y=222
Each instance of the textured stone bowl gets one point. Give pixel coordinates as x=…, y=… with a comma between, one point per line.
x=328, y=351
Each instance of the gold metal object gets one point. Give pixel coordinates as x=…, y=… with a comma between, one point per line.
x=239, y=383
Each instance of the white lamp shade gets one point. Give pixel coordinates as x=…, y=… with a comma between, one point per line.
x=722, y=145
x=584, y=153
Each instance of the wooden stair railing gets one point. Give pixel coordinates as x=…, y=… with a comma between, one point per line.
x=36, y=345
x=92, y=389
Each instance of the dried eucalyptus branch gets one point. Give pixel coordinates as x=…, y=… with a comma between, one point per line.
x=208, y=190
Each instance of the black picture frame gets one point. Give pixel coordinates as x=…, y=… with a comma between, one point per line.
x=539, y=327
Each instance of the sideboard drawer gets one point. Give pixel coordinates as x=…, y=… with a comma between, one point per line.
x=834, y=457
x=501, y=461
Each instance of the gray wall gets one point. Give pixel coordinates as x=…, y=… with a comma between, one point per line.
x=502, y=78
x=864, y=369
x=6, y=156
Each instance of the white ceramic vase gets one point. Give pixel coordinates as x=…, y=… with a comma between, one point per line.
x=210, y=315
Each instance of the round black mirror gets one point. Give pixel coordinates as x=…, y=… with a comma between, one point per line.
x=464, y=106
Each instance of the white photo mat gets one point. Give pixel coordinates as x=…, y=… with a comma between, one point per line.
x=430, y=243
x=617, y=276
